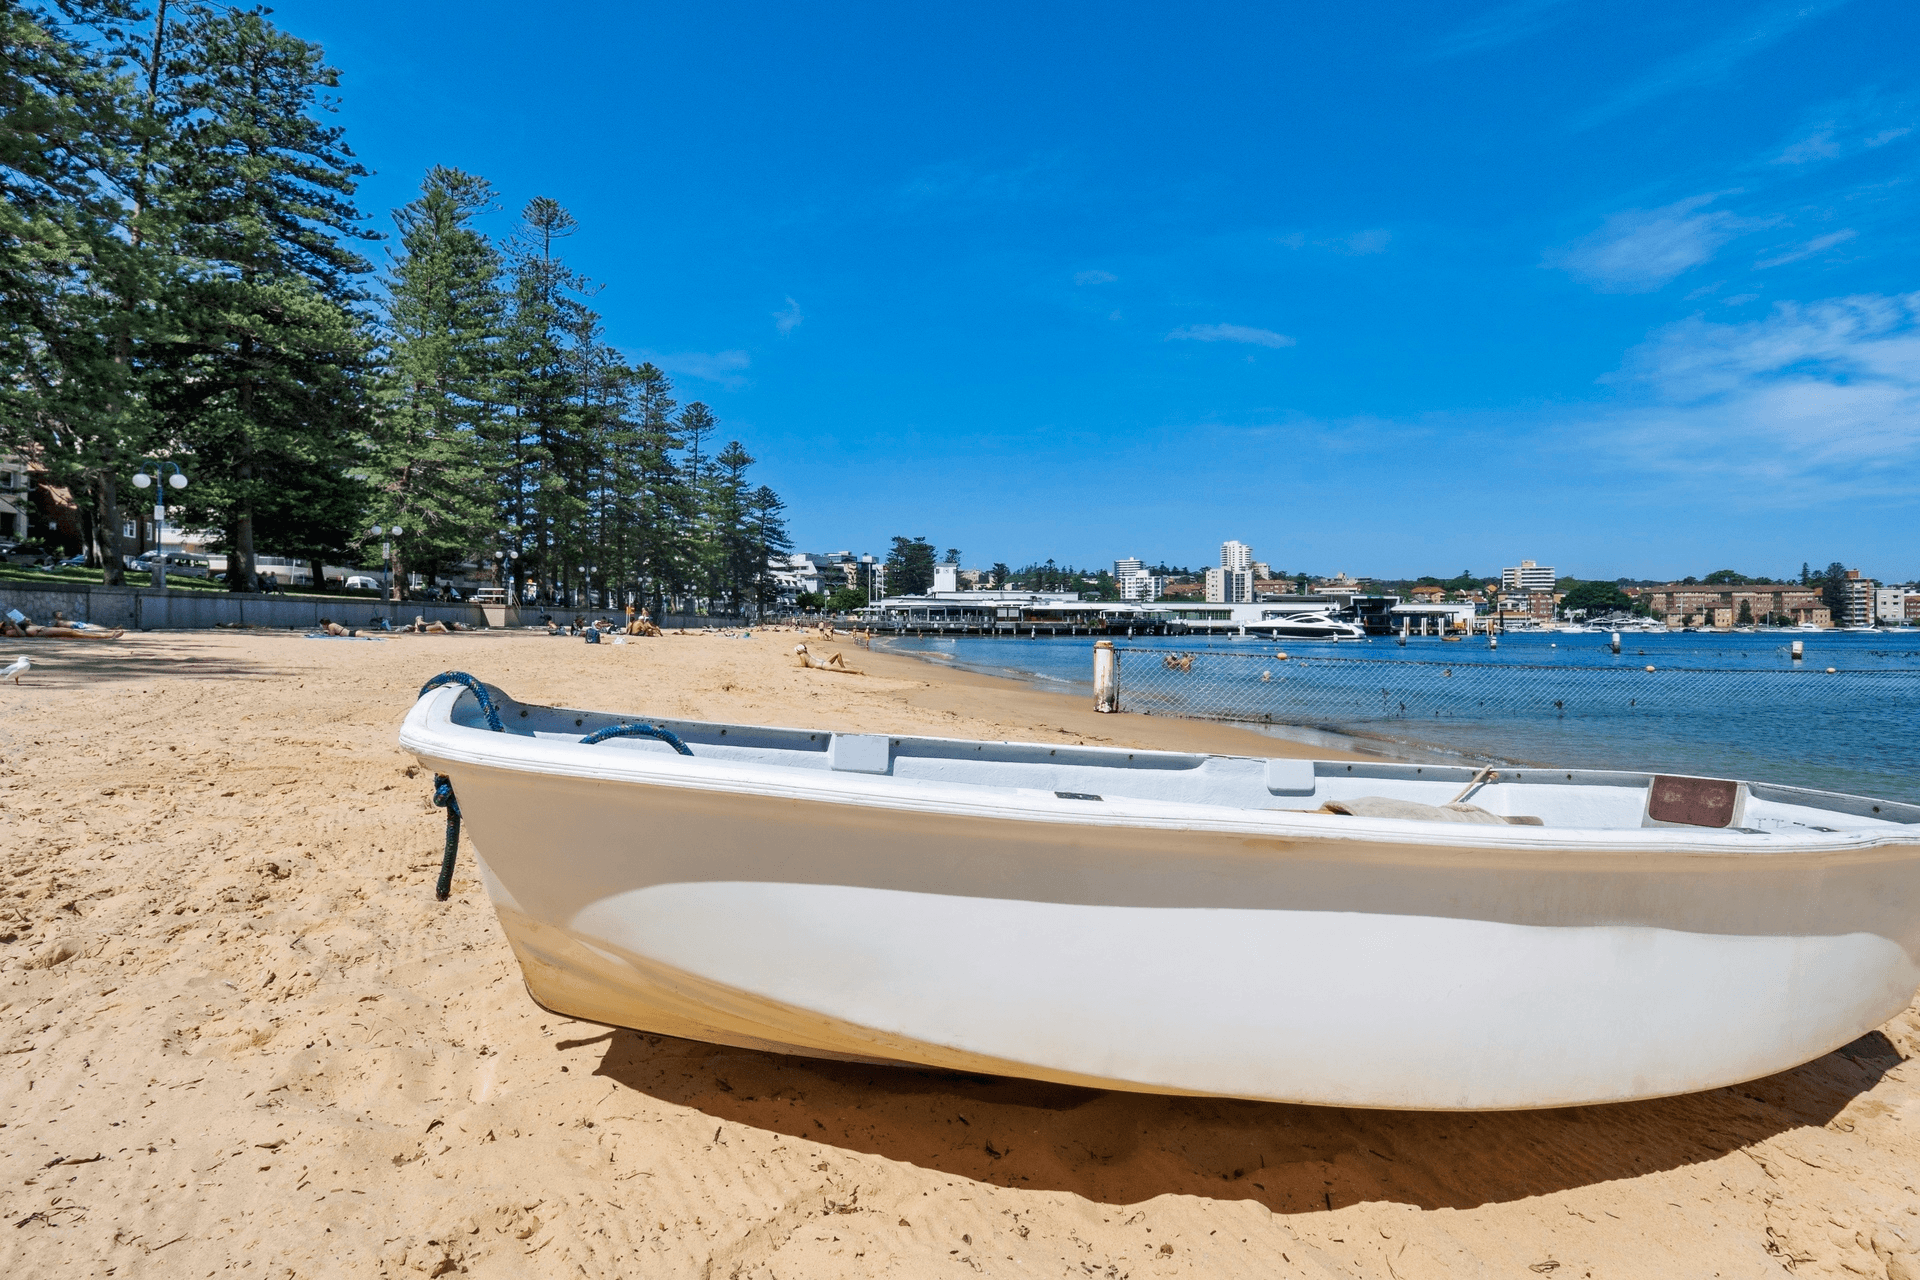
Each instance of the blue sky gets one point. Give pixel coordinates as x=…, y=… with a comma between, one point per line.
x=1392, y=288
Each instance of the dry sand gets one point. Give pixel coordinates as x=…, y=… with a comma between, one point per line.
x=239, y=1036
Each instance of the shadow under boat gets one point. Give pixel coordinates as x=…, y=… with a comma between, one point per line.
x=1124, y=1148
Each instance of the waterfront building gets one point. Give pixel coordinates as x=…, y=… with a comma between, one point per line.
x=1859, y=600
x=1680, y=604
x=1229, y=586
x=1237, y=556
x=1527, y=576
x=946, y=577
x=1890, y=605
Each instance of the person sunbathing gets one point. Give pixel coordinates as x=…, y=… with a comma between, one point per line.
x=19, y=626
x=332, y=628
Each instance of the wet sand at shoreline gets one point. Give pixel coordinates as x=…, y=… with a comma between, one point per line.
x=237, y=1035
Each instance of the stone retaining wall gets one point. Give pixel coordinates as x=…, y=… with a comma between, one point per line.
x=148, y=609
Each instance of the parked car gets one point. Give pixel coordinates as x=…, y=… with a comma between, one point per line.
x=360, y=582
x=179, y=564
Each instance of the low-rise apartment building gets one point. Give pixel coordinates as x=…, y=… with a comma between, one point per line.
x=1685, y=604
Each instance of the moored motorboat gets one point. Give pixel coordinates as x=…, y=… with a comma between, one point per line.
x=1315, y=625
x=1352, y=933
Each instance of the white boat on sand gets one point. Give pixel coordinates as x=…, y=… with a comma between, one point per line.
x=1320, y=932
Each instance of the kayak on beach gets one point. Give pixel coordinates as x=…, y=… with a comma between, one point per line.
x=1332, y=932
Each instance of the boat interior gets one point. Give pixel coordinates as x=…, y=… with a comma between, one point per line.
x=1560, y=798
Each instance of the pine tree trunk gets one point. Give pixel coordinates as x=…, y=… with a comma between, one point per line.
x=107, y=532
x=319, y=569
x=240, y=561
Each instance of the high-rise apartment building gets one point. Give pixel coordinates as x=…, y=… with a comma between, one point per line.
x=1527, y=576
x=1229, y=586
x=1859, y=596
x=1142, y=587
x=1124, y=568
x=1236, y=555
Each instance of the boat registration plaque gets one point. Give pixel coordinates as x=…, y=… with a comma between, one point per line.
x=1692, y=802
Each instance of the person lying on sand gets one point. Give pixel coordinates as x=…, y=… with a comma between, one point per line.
x=332, y=628
x=421, y=625
x=19, y=625
x=832, y=662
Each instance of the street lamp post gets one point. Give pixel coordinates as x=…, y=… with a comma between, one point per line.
x=162, y=475
x=386, y=557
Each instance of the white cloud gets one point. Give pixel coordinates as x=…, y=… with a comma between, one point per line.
x=1813, y=390
x=1230, y=333
x=1807, y=250
x=1712, y=61
x=1865, y=122
x=1095, y=277
x=724, y=367
x=1364, y=242
x=1503, y=26
x=1639, y=250
x=789, y=317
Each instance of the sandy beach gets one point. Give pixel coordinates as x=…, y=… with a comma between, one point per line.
x=238, y=1035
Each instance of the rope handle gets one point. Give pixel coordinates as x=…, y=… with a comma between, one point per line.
x=479, y=692
x=443, y=797
x=637, y=731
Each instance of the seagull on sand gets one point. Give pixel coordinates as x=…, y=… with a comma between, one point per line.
x=15, y=669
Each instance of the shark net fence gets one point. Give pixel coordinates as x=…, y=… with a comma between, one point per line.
x=1845, y=729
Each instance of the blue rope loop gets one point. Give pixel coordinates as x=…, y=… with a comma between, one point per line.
x=479, y=692
x=443, y=797
x=637, y=731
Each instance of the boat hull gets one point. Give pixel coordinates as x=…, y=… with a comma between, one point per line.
x=1164, y=958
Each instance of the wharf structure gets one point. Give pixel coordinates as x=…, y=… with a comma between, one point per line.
x=1027, y=613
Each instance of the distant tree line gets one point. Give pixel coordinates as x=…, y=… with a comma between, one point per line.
x=184, y=276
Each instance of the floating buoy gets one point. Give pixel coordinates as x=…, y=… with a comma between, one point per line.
x=1649, y=666
x=1830, y=670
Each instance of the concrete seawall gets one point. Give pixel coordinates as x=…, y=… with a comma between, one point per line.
x=148, y=609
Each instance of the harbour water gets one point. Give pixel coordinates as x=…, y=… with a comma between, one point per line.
x=1722, y=704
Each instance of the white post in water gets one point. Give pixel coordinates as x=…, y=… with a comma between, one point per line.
x=1616, y=642
x=1106, y=677
x=1403, y=631
x=1799, y=650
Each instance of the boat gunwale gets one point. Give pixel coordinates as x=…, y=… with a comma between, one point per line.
x=430, y=731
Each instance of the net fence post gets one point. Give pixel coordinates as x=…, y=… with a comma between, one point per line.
x=1106, y=677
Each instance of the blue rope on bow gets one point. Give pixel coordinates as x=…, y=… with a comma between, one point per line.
x=443, y=797
x=636, y=731
x=479, y=692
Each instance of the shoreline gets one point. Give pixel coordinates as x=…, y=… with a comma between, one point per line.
x=1299, y=740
